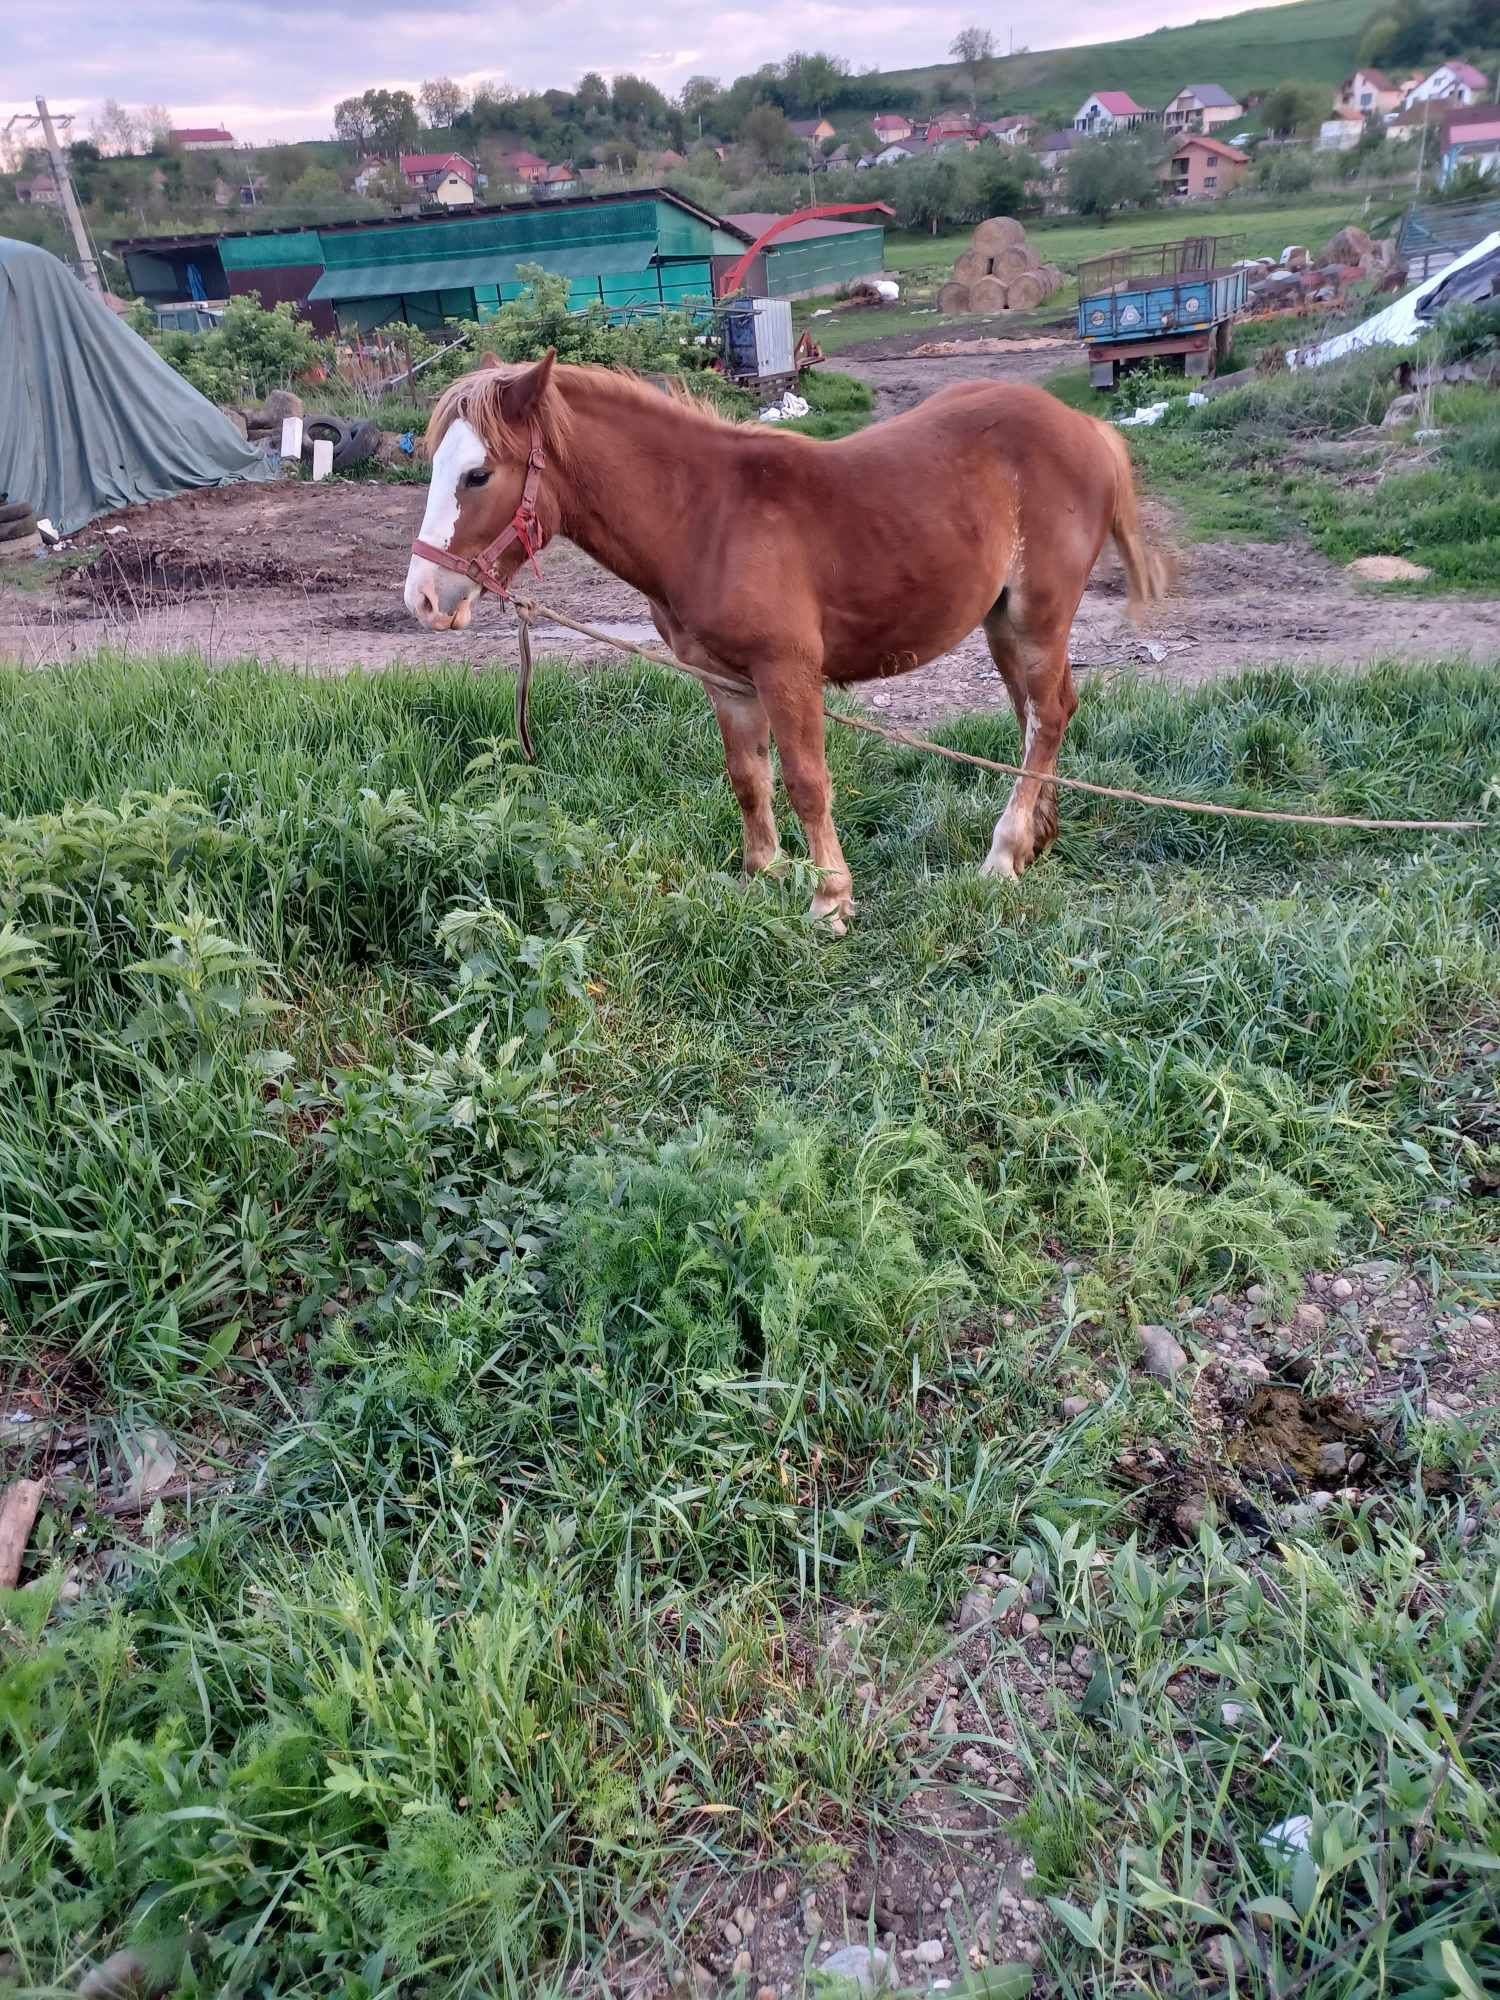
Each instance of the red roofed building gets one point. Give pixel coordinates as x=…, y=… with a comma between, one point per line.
x=1111, y=111
x=428, y=171
x=1450, y=83
x=199, y=139
x=1201, y=168
x=890, y=126
x=524, y=167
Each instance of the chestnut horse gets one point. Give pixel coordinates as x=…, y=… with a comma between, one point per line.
x=787, y=563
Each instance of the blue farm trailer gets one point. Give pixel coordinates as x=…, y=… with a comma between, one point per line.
x=1164, y=299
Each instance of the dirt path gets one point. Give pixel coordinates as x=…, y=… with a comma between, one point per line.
x=310, y=577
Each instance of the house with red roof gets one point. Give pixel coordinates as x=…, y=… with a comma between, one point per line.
x=1202, y=168
x=1014, y=131
x=1109, y=111
x=562, y=179
x=449, y=179
x=1450, y=83
x=527, y=168
x=890, y=127
x=199, y=139
x=1369, y=93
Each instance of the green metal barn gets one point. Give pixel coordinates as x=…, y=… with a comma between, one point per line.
x=812, y=257
x=623, y=251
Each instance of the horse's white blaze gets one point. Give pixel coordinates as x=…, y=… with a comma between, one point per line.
x=1013, y=829
x=461, y=451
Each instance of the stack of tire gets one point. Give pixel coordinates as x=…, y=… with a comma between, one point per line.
x=19, y=534
x=999, y=272
x=354, y=439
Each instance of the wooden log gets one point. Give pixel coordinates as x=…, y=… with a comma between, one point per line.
x=1026, y=292
x=955, y=298
x=17, y=1518
x=998, y=233
x=971, y=265
x=988, y=295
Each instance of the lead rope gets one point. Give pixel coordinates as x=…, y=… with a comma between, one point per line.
x=530, y=609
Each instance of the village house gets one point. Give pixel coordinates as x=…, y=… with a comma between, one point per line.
x=445, y=178
x=1369, y=93
x=369, y=173
x=811, y=131
x=890, y=127
x=41, y=191
x=1450, y=82
x=893, y=155
x=200, y=139
x=1201, y=107
x=1052, y=150
x=1109, y=111
x=1015, y=131
x=950, y=125
x=562, y=179
x=1473, y=146
x=522, y=168
x=1202, y=168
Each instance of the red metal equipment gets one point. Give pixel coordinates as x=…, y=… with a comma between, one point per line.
x=735, y=276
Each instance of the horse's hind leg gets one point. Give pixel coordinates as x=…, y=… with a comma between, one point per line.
x=747, y=753
x=1031, y=652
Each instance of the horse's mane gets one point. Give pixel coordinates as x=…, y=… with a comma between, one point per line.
x=476, y=398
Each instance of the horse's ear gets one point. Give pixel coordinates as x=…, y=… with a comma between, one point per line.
x=522, y=395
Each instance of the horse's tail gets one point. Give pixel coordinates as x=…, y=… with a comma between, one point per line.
x=1149, y=572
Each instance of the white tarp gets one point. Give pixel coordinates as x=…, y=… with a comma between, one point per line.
x=1398, y=326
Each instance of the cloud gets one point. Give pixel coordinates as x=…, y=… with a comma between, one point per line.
x=273, y=69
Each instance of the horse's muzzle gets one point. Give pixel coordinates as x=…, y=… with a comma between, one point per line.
x=437, y=598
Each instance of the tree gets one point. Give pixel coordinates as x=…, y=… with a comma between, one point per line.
x=592, y=95
x=1105, y=174
x=1294, y=107
x=975, y=49
x=638, y=104
x=314, y=187
x=354, y=124
x=697, y=97
x=116, y=128
x=443, y=100
x=813, y=82
x=155, y=122
x=766, y=135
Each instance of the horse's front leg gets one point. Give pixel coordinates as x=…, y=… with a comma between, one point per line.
x=746, y=730
x=792, y=693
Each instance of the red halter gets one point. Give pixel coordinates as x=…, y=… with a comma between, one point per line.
x=524, y=528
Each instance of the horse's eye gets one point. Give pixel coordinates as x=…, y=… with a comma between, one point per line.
x=479, y=478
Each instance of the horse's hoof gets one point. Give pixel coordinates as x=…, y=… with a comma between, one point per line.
x=1001, y=867
x=833, y=917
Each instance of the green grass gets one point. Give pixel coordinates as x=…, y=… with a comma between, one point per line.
x=925, y=263
x=1313, y=41
x=586, y=1278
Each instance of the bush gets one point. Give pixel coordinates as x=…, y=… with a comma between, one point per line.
x=1469, y=333
x=255, y=349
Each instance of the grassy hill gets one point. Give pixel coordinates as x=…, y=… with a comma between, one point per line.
x=1311, y=41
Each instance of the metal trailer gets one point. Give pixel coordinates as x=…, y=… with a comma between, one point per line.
x=1162, y=299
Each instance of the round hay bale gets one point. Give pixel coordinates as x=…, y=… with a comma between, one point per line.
x=1052, y=276
x=1014, y=259
x=956, y=298
x=998, y=233
x=988, y=295
x=1026, y=292
x=971, y=265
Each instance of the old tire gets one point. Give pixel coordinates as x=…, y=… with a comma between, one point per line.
x=22, y=546
x=364, y=443
x=13, y=531
x=352, y=441
x=998, y=233
x=954, y=298
x=14, y=510
x=989, y=295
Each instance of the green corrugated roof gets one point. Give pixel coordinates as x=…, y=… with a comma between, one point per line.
x=447, y=274
x=270, y=253
x=540, y=231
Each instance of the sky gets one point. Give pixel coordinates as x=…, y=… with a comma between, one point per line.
x=273, y=69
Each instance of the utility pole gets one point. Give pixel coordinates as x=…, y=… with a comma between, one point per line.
x=87, y=267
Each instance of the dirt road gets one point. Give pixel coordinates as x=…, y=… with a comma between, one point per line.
x=310, y=577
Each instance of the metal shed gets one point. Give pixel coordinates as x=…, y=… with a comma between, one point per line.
x=822, y=255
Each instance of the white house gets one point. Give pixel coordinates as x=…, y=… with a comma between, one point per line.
x=1201, y=107
x=1111, y=111
x=1338, y=135
x=890, y=156
x=1369, y=93
x=1455, y=82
